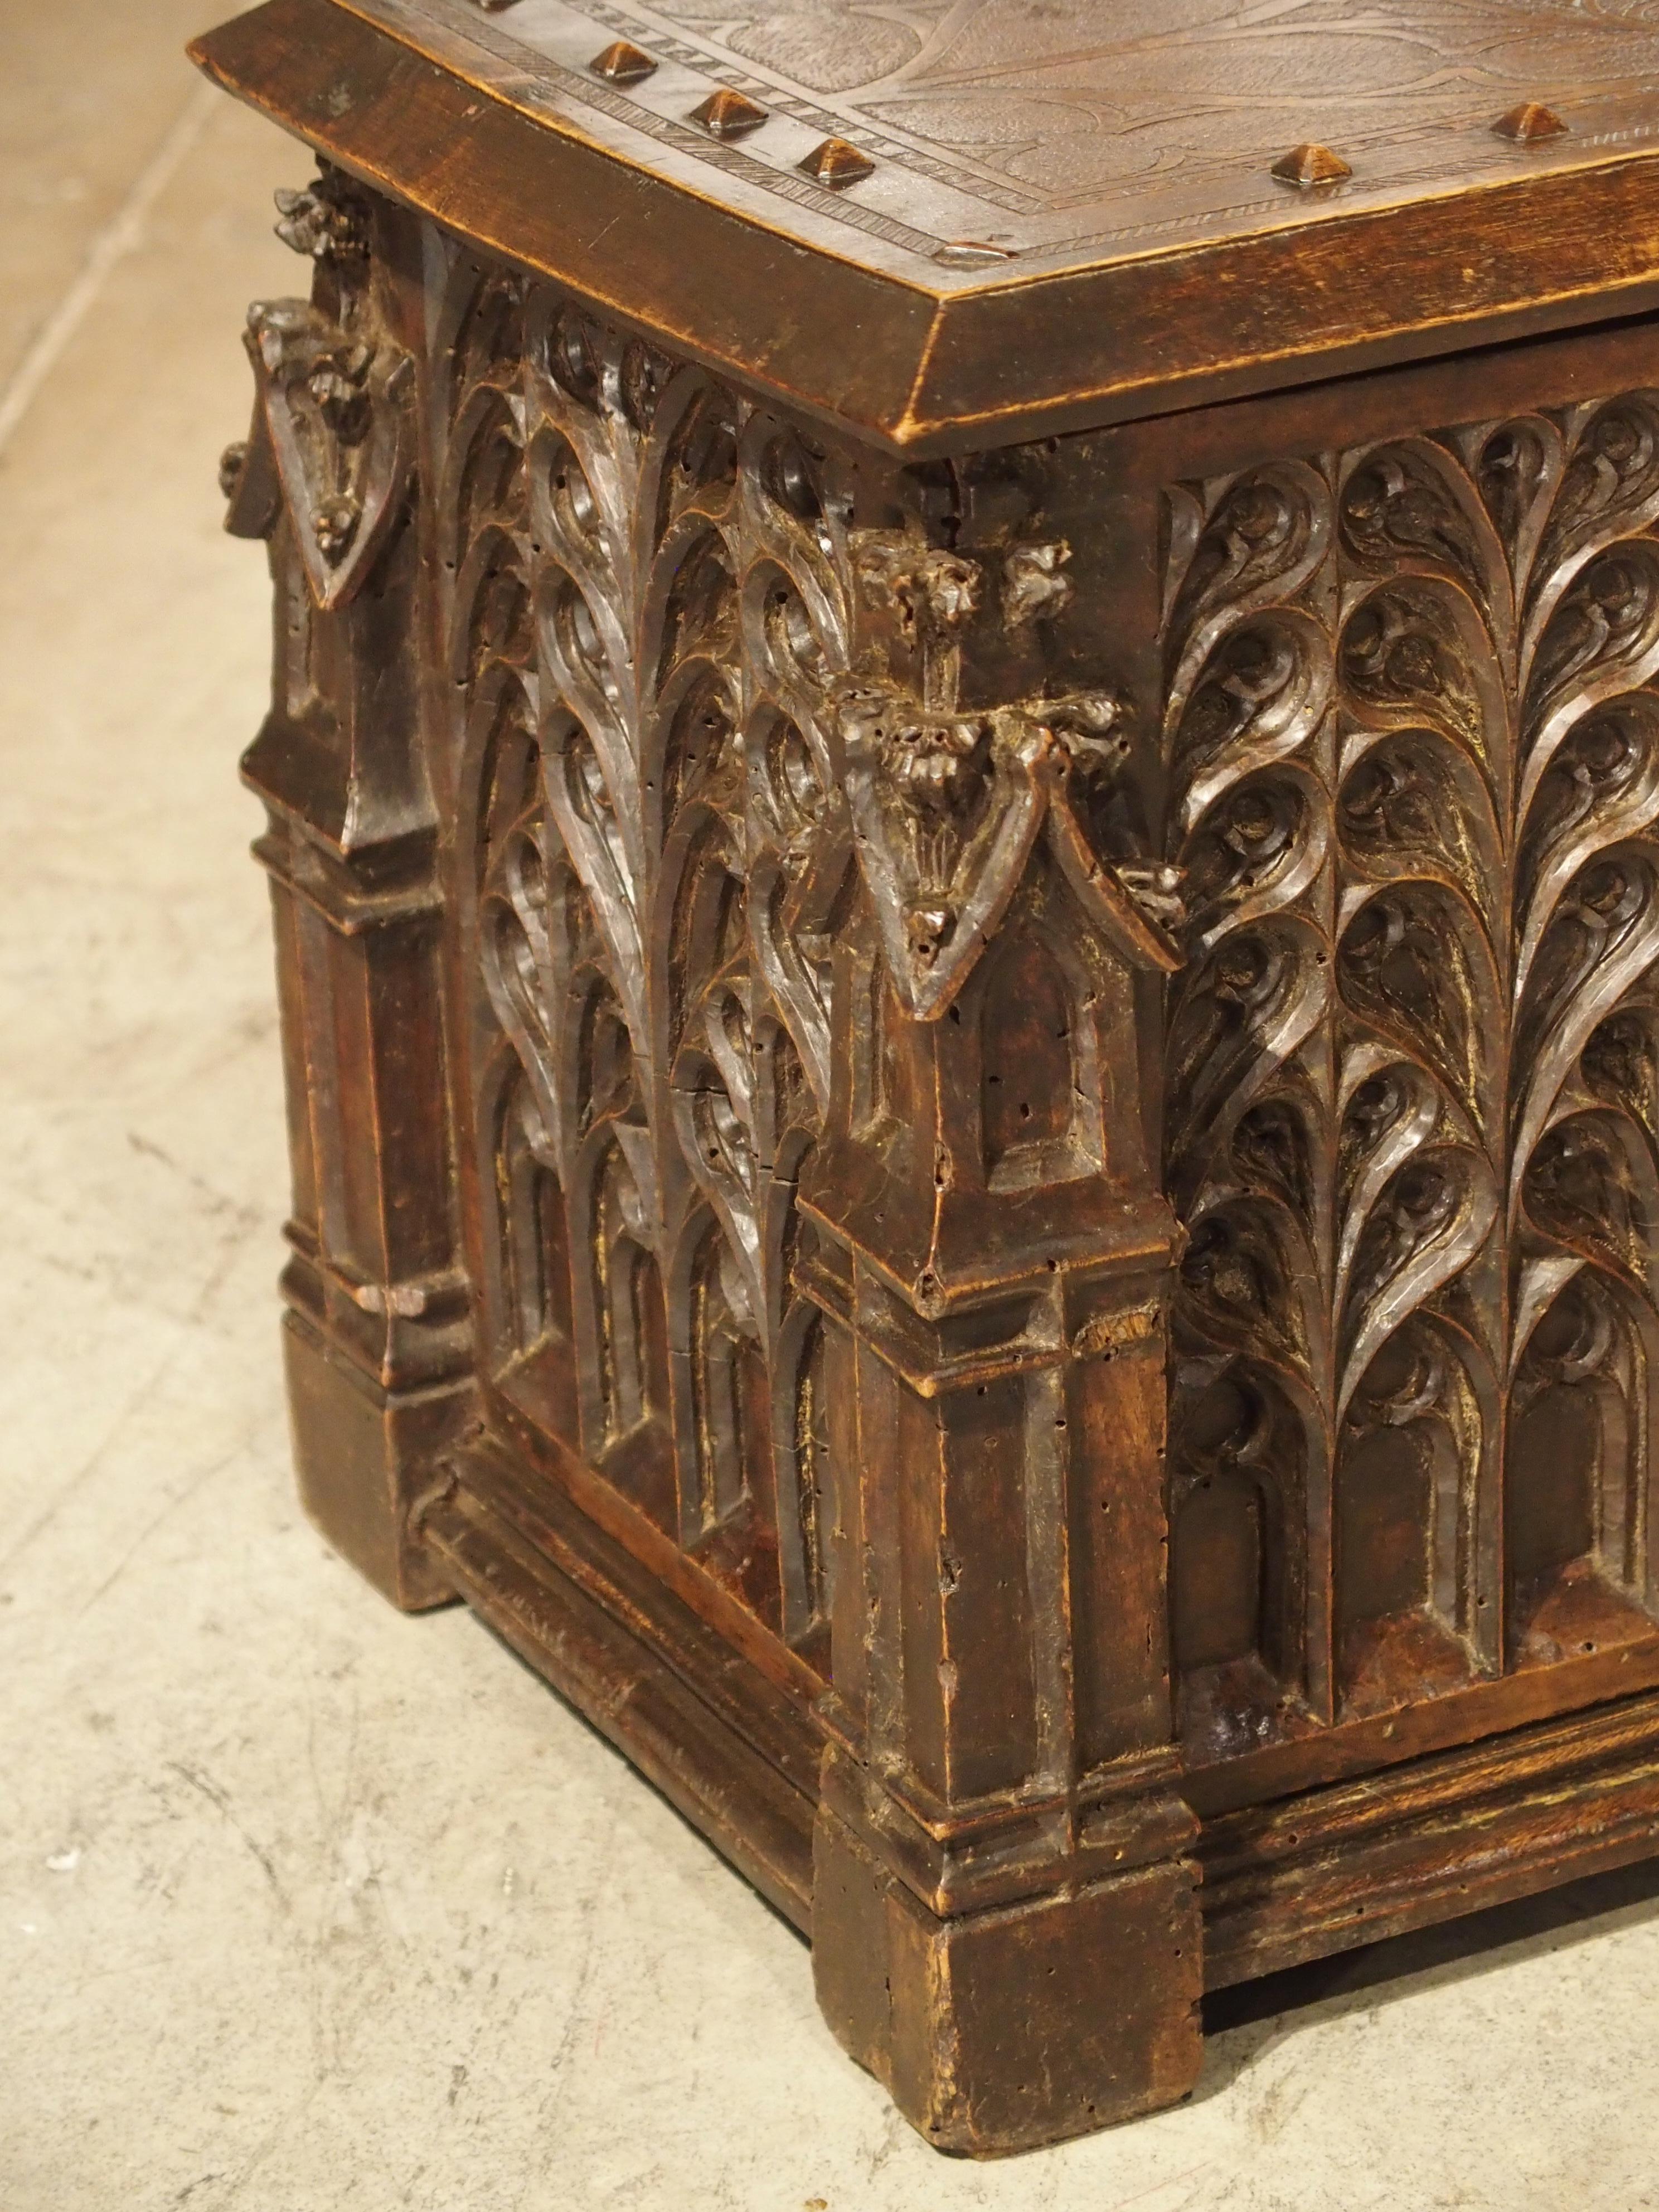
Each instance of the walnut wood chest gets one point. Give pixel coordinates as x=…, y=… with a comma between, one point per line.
x=964, y=798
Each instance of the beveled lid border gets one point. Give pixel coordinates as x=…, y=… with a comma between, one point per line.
x=960, y=359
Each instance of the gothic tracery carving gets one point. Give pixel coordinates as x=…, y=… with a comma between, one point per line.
x=664, y=1028
x=1410, y=730
x=705, y=727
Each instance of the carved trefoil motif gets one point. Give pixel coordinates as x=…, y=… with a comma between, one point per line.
x=1411, y=741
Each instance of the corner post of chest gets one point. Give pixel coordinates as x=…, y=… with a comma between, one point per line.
x=1006, y=1928
x=377, y=1330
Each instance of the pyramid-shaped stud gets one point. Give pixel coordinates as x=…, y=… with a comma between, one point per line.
x=622, y=64
x=1310, y=165
x=728, y=115
x=1529, y=123
x=837, y=165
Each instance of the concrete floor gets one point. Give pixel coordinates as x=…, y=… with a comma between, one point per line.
x=304, y=1905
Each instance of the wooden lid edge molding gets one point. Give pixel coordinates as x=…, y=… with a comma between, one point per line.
x=943, y=357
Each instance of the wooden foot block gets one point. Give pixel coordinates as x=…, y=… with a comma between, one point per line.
x=363, y=1455
x=1002, y=2030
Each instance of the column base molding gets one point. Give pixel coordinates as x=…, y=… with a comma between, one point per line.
x=1095, y=1981
x=364, y=1454
x=734, y=1752
x=1005, y=2030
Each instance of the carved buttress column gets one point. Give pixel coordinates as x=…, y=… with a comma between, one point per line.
x=1001, y=1835
x=377, y=1325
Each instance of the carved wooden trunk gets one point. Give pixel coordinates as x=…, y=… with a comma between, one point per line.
x=967, y=891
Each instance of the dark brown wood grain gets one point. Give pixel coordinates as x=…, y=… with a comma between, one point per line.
x=976, y=1142
x=1099, y=307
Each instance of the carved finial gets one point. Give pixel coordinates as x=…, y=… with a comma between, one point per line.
x=301, y=225
x=948, y=587
x=836, y=164
x=232, y=463
x=275, y=325
x=1309, y=165
x=622, y=64
x=1033, y=589
x=325, y=221
x=728, y=115
x=338, y=385
x=1528, y=123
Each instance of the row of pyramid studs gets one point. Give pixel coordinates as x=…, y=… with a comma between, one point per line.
x=1527, y=126
x=837, y=163
x=725, y=114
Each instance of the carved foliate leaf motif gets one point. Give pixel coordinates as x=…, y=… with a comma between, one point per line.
x=1408, y=656
x=1602, y=640
x=1256, y=698
x=1608, y=487
x=1238, y=1018
x=1408, y=807
x=1413, y=962
x=1236, y=1278
x=1427, y=1223
x=797, y=623
x=1516, y=466
x=1256, y=849
x=1256, y=544
x=1591, y=1187
x=1410, y=505
x=653, y=794
x=1414, y=1042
